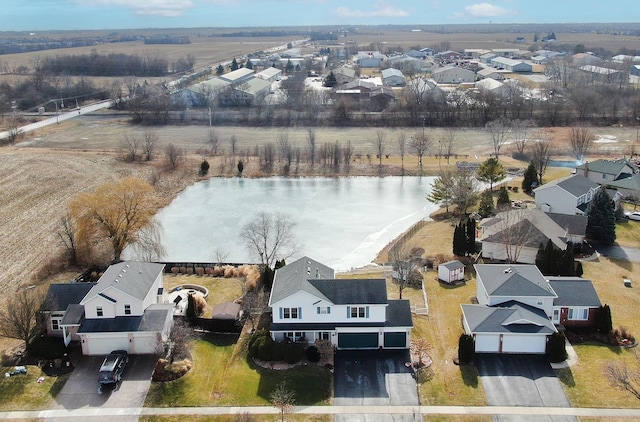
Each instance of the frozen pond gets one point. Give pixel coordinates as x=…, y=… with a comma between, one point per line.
x=341, y=222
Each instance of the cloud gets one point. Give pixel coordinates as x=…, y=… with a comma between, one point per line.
x=169, y=8
x=381, y=9
x=486, y=10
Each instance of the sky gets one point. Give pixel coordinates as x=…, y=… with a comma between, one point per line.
x=34, y=15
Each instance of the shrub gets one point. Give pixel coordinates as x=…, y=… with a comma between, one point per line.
x=46, y=348
x=261, y=346
x=200, y=271
x=175, y=270
x=189, y=271
x=313, y=355
x=278, y=351
x=556, y=348
x=425, y=375
x=603, y=319
x=415, y=279
x=466, y=349
x=293, y=352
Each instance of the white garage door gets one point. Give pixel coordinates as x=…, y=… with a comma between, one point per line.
x=104, y=345
x=487, y=343
x=523, y=344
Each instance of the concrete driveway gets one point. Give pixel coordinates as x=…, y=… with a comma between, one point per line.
x=374, y=378
x=81, y=389
x=521, y=380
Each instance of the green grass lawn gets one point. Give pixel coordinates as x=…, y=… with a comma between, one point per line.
x=223, y=376
x=220, y=289
x=23, y=392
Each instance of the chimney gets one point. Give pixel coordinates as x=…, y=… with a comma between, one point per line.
x=586, y=169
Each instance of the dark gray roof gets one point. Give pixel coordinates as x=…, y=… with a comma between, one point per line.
x=534, y=237
x=632, y=182
x=453, y=265
x=73, y=315
x=399, y=314
x=131, y=277
x=510, y=317
x=60, y=296
x=607, y=166
x=353, y=291
x=513, y=280
x=575, y=184
x=574, y=291
x=293, y=277
x=153, y=319
x=574, y=224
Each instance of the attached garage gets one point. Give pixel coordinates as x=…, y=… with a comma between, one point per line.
x=398, y=340
x=487, y=343
x=357, y=340
x=524, y=344
x=97, y=344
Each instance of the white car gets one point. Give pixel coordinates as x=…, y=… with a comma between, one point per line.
x=635, y=215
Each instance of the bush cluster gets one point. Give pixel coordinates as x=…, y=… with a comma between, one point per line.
x=262, y=347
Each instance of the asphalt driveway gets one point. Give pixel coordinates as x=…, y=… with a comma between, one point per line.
x=374, y=378
x=81, y=389
x=521, y=380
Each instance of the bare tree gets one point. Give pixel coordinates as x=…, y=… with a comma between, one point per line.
x=402, y=147
x=448, y=141
x=284, y=147
x=498, y=129
x=180, y=336
x=541, y=152
x=311, y=138
x=148, y=244
x=233, y=141
x=270, y=237
x=514, y=232
x=402, y=266
x=173, y=155
x=420, y=143
x=625, y=376
x=380, y=144
x=149, y=142
x=130, y=147
x=347, y=153
x=67, y=235
x=520, y=130
x=580, y=140
x=18, y=316
x=220, y=255
x=282, y=398
x=464, y=191
x=213, y=141
x=251, y=308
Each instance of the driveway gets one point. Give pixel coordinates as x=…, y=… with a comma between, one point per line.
x=81, y=389
x=620, y=252
x=374, y=378
x=521, y=380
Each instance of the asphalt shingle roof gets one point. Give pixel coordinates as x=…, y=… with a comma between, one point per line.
x=510, y=317
x=60, y=296
x=512, y=280
x=453, y=265
x=399, y=314
x=574, y=291
x=575, y=184
x=612, y=167
x=131, y=277
x=153, y=319
x=294, y=277
x=353, y=291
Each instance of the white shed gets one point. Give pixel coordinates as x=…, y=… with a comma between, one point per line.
x=451, y=271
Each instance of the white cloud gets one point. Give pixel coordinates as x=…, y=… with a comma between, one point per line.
x=170, y=8
x=380, y=9
x=486, y=10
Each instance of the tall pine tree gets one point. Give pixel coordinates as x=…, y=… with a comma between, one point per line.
x=471, y=236
x=503, y=199
x=530, y=178
x=601, y=225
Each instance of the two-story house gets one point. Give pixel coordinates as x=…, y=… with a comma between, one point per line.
x=567, y=195
x=308, y=303
x=518, y=308
x=622, y=175
x=124, y=310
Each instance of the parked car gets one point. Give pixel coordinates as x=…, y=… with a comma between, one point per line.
x=635, y=215
x=113, y=367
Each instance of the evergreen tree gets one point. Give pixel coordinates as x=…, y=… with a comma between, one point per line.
x=530, y=178
x=219, y=70
x=289, y=68
x=503, y=198
x=485, y=208
x=441, y=191
x=567, y=264
x=579, y=270
x=601, y=225
x=330, y=81
x=191, y=312
x=603, y=322
x=234, y=64
x=541, y=261
x=491, y=171
x=249, y=64
x=536, y=37
x=471, y=236
x=458, y=241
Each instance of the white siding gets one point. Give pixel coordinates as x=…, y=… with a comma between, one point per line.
x=559, y=200
x=524, y=343
x=309, y=305
x=491, y=250
x=487, y=343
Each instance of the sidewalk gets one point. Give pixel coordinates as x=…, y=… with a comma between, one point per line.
x=88, y=413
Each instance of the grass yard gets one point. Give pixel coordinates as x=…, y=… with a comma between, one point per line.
x=220, y=289
x=585, y=383
x=222, y=376
x=628, y=232
x=236, y=418
x=23, y=392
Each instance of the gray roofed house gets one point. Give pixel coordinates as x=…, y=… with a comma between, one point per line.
x=309, y=304
x=621, y=174
x=574, y=291
x=61, y=295
x=567, y=195
x=132, y=278
x=502, y=281
x=508, y=317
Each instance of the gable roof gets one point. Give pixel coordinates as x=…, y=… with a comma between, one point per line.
x=508, y=317
x=153, y=319
x=237, y=74
x=130, y=277
x=452, y=265
x=294, y=277
x=574, y=291
x=576, y=184
x=399, y=314
x=391, y=72
x=60, y=296
x=631, y=183
x=510, y=280
x=353, y=291
x=613, y=167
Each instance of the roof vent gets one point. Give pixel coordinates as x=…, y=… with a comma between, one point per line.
x=317, y=273
x=508, y=270
x=308, y=270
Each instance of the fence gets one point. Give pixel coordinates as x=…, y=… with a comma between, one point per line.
x=398, y=242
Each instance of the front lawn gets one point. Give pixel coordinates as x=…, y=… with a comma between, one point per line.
x=23, y=392
x=222, y=376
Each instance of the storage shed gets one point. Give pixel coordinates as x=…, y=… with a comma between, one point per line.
x=451, y=271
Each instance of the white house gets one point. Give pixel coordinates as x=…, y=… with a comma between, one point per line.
x=270, y=74
x=451, y=271
x=518, y=308
x=603, y=171
x=238, y=76
x=124, y=310
x=489, y=72
x=452, y=75
x=392, y=77
x=369, y=58
x=511, y=64
x=309, y=304
x=567, y=195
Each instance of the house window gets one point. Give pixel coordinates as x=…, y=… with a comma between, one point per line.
x=99, y=311
x=323, y=335
x=359, y=312
x=291, y=313
x=556, y=315
x=323, y=310
x=294, y=335
x=55, y=324
x=539, y=302
x=578, y=314
x=127, y=309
